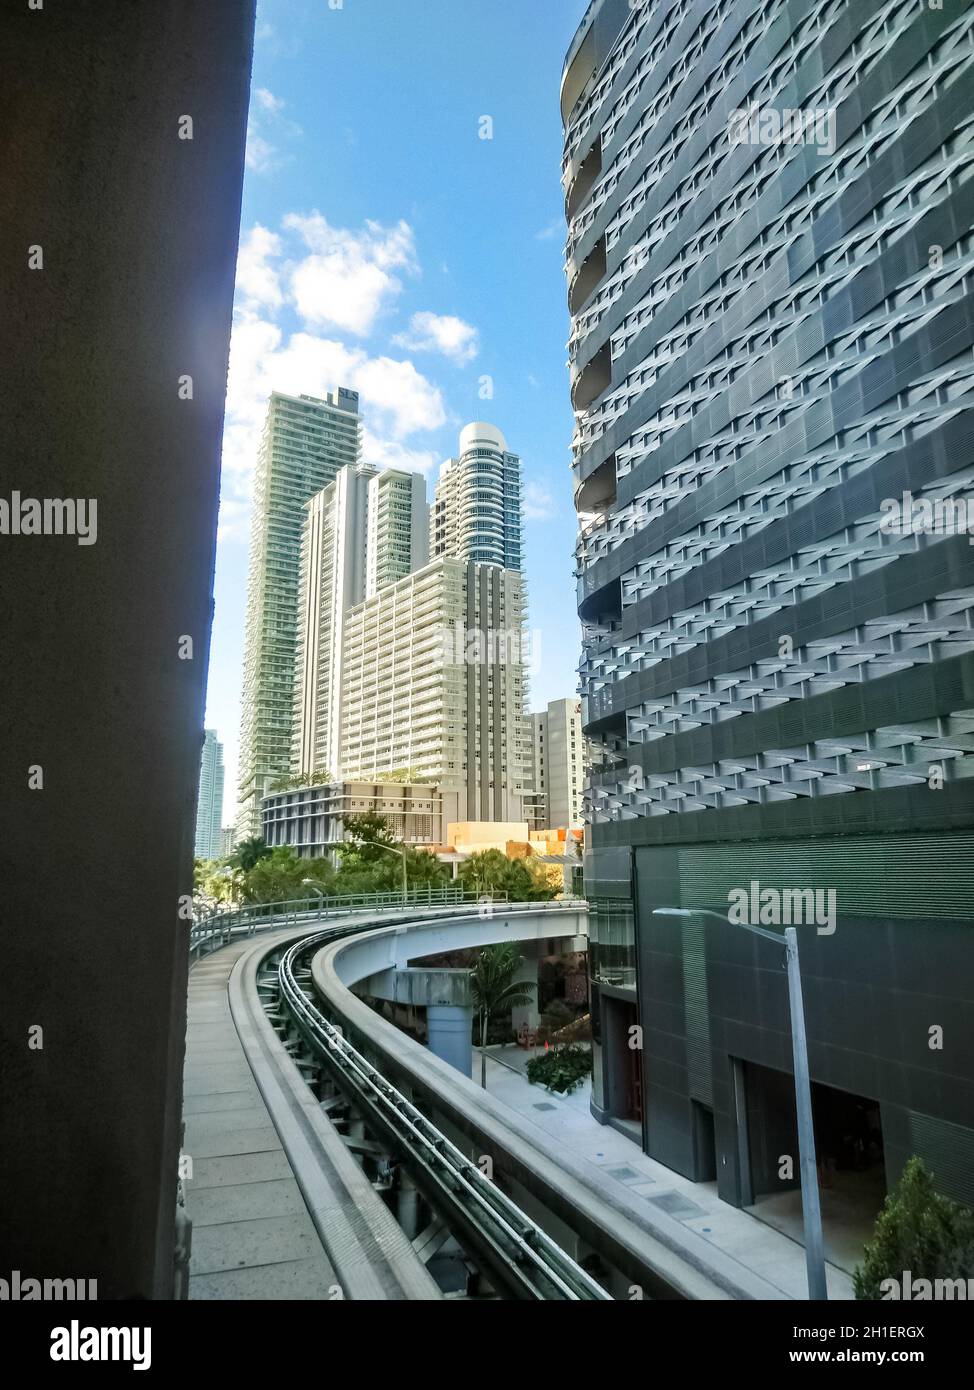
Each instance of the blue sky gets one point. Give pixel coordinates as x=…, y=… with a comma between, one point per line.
x=386, y=246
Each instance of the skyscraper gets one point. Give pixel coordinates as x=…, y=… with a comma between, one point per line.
x=770, y=275
x=398, y=528
x=433, y=682
x=365, y=530
x=306, y=440
x=209, y=803
x=476, y=511
x=558, y=762
x=333, y=565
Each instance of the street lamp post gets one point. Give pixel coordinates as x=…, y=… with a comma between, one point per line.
x=310, y=883
x=811, y=1208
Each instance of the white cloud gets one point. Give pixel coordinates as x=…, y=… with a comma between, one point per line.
x=389, y=453
x=538, y=502
x=261, y=155
x=258, y=281
x=267, y=120
x=399, y=396
x=276, y=345
x=555, y=228
x=269, y=101
x=443, y=333
x=348, y=279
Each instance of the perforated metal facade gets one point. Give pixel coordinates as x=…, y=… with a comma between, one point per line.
x=770, y=264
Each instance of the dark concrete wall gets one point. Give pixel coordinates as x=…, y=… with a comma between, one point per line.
x=139, y=232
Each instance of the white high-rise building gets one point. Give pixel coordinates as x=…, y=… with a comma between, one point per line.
x=306, y=441
x=209, y=803
x=333, y=567
x=398, y=528
x=476, y=512
x=558, y=761
x=433, y=682
x=364, y=531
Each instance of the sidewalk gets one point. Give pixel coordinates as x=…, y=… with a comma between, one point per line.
x=620, y=1167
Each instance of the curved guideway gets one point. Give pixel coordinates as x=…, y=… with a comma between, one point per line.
x=653, y=1251
x=498, y=1238
x=318, y=1229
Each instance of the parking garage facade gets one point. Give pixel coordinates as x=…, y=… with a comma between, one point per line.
x=772, y=371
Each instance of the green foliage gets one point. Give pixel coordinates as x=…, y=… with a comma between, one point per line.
x=249, y=852
x=320, y=777
x=494, y=986
x=276, y=877
x=363, y=834
x=492, y=872
x=368, y=868
x=279, y=875
x=496, y=991
x=918, y=1230
x=561, y=1068
x=422, y=867
x=402, y=776
x=218, y=882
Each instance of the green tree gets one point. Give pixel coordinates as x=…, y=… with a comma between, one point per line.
x=275, y=877
x=366, y=867
x=219, y=882
x=320, y=777
x=322, y=873
x=422, y=867
x=248, y=852
x=496, y=991
x=918, y=1230
x=492, y=872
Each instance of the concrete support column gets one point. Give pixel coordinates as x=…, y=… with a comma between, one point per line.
x=114, y=368
x=408, y=1207
x=448, y=1033
x=528, y=1014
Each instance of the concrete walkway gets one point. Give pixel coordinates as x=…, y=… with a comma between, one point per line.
x=252, y=1235
x=620, y=1167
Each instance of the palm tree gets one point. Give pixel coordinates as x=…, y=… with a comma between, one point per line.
x=249, y=852
x=496, y=991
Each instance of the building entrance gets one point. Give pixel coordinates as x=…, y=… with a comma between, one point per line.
x=849, y=1150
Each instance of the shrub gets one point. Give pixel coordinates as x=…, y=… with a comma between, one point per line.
x=918, y=1230
x=560, y=1069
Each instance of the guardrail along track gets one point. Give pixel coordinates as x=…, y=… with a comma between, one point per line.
x=211, y=930
x=520, y=1259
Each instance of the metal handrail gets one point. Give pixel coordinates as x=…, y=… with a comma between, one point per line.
x=533, y=1258
x=218, y=929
